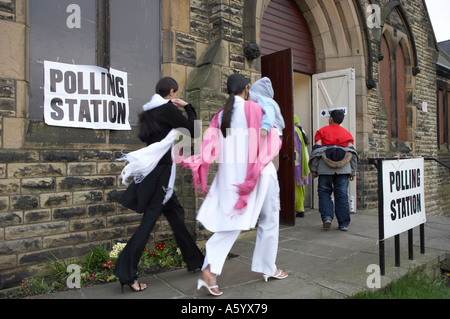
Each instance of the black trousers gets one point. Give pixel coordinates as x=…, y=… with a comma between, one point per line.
x=126, y=267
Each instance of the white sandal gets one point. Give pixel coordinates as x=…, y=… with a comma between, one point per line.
x=279, y=276
x=203, y=284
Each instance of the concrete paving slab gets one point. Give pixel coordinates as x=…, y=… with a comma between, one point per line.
x=322, y=264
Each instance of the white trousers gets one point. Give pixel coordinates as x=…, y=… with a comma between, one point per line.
x=265, y=253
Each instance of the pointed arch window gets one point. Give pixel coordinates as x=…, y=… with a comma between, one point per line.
x=443, y=114
x=395, y=72
x=385, y=81
x=393, y=89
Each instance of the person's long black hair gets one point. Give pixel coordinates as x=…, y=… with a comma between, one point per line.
x=235, y=85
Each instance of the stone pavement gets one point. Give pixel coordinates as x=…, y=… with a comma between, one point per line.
x=322, y=264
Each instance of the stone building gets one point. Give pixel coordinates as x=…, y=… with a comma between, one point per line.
x=59, y=185
x=443, y=123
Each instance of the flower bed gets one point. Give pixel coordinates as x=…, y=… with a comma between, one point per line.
x=98, y=266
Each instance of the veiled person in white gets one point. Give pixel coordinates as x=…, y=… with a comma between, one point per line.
x=222, y=211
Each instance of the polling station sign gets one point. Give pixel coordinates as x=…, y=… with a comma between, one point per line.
x=85, y=96
x=403, y=195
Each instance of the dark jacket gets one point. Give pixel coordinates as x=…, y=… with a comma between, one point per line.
x=155, y=125
x=333, y=159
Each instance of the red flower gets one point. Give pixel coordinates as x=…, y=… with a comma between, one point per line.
x=161, y=246
x=108, y=264
x=145, y=248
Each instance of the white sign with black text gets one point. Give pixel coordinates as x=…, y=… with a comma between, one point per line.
x=403, y=195
x=85, y=96
x=327, y=112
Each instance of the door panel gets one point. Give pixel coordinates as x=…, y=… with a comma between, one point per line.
x=302, y=108
x=278, y=68
x=332, y=90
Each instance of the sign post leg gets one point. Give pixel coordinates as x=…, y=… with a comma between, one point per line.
x=381, y=258
x=397, y=250
x=410, y=245
x=422, y=239
x=379, y=165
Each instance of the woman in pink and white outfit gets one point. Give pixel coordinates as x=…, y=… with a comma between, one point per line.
x=245, y=189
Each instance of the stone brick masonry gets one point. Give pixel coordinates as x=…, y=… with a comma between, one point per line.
x=59, y=187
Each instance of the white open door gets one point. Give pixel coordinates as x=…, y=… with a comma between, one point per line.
x=334, y=90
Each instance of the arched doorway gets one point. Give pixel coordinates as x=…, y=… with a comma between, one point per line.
x=340, y=45
x=288, y=59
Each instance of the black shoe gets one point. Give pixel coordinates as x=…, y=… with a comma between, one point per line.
x=131, y=287
x=300, y=214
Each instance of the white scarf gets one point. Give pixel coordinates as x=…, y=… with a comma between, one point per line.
x=156, y=101
x=143, y=161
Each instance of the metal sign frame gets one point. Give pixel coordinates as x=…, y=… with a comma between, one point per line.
x=378, y=163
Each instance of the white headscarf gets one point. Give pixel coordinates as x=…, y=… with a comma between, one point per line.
x=263, y=88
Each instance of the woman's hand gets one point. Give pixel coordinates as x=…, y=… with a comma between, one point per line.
x=263, y=133
x=179, y=102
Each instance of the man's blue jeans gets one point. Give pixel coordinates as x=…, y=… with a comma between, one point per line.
x=339, y=185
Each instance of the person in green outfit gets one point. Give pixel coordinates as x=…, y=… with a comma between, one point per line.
x=301, y=167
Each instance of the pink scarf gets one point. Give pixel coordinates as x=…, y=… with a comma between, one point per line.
x=259, y=154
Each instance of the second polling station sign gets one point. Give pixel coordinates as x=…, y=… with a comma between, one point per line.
x=85, y=96
x=403, y=195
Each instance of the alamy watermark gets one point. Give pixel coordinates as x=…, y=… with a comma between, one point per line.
x=374, y=279
x=373, y=12
x=74, y=279
x=260, y=148
x=74, y=19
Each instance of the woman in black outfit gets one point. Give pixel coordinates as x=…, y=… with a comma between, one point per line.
x=160, y=116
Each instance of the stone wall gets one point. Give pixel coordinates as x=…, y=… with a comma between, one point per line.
x=219, y=27
x=421, y=127
x=59, y=187
x=444, y=156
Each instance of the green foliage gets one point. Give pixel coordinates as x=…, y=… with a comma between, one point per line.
x=95, y=260
x=167, y=256
x=97, y=267
x=413, y=286
x=36, y=286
